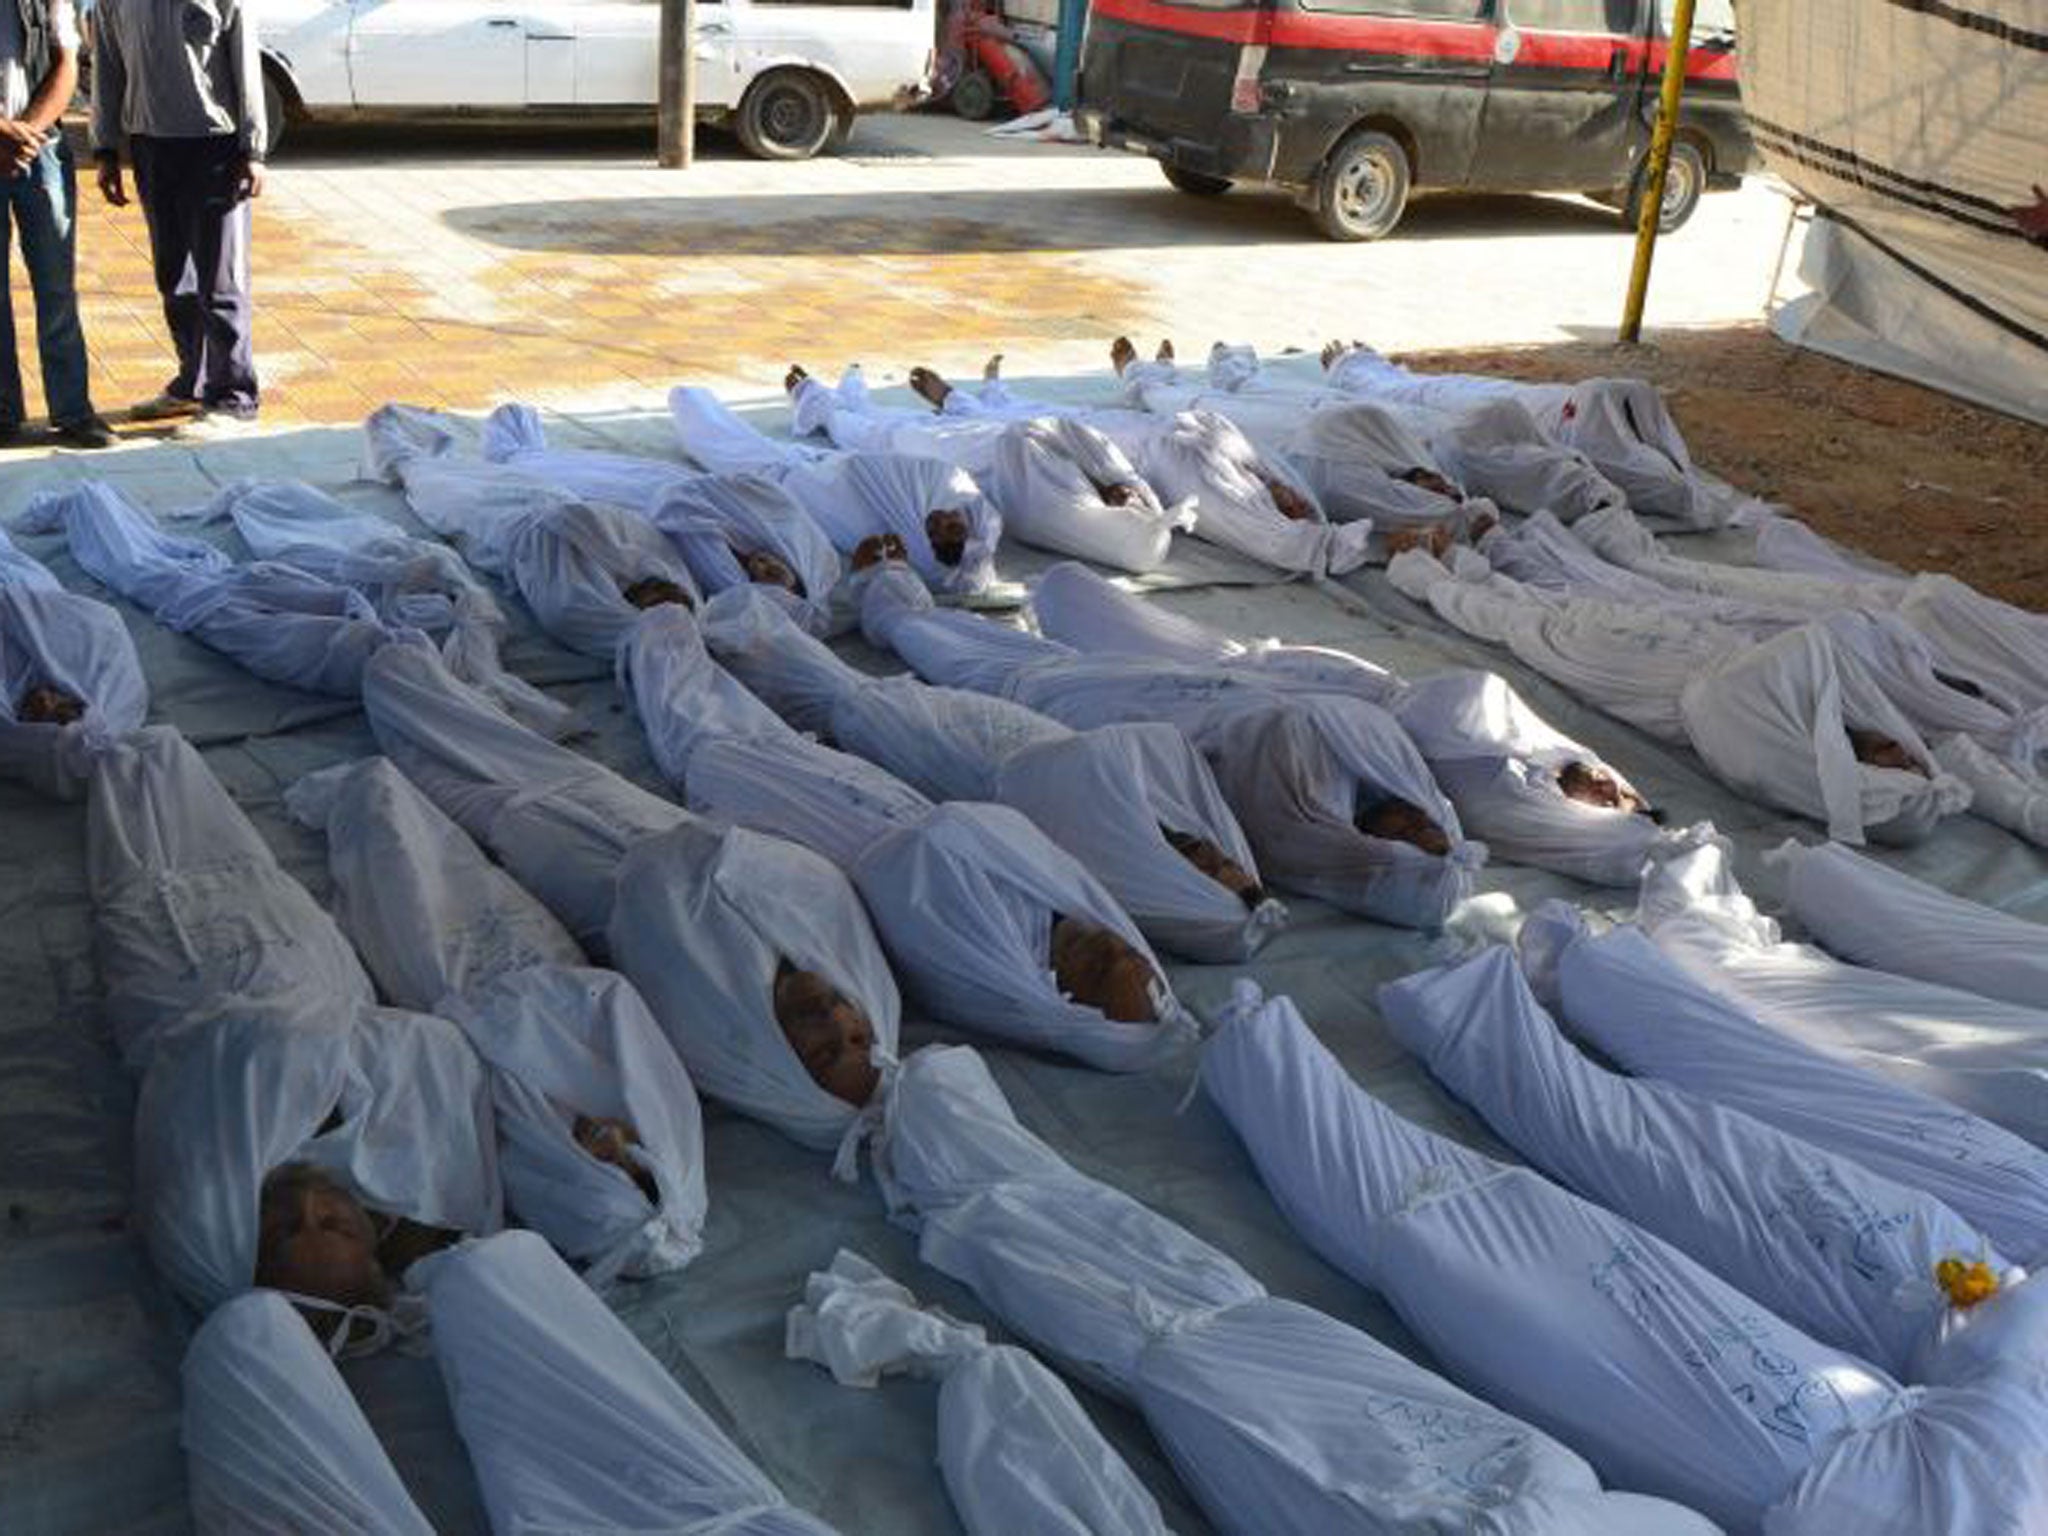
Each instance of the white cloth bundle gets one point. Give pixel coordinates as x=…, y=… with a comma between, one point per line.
x=1621, y=993
x=1048, y=478
x=946, y=646
x=705, y=916
x=683, y=697
x=1019, y=1454
x=412, y=1133
x=192, y=915
x=947, y=742
x=573, y=563
x=282, y=624
x=1773, y=720
x=1619, y=537
x=829, y=801
x=443, y=928
x=53, y=638
x=1846, y=1254
x=713, y=519
x=570, y=1424
x=1987, y=1056
x=1487, y=748
x=1999, y=793
x=851, y=496
x=273, y=1440
x=1544, y=554
x=966, y=899
x=1668, y=1378
x=1282, y=1421
x=1496, y=449
x=1991, y=642
x=514, y=436
x=558, y=821
x=1875, y=916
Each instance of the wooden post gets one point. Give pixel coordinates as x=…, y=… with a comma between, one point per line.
x=677, y=122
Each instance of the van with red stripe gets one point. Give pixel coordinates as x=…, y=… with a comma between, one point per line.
x=1351, y=104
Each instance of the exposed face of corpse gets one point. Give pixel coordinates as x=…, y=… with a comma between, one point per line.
x=1216, y=864
x=315, y=1239
x=1118, y=495
x=45, y=704
x=1097, y=969
x=1880, y=751
x=947, y=530
x=1590, y=785
x=653, y=591
x=1430, y=480
x=830, y=1035
x=876, y=548
x=1293, y=506
x=1400, y=821
x=611, y=1141
x=769, y=570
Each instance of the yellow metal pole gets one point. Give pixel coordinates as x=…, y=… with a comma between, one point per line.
x=1654, y=172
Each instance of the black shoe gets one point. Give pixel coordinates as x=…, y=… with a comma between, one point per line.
x=86, y=432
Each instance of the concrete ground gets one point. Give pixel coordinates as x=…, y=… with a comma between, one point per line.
x=458, y=266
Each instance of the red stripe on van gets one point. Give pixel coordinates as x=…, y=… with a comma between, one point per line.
x=1412, y=38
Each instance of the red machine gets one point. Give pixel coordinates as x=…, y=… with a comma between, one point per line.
x=981, y=63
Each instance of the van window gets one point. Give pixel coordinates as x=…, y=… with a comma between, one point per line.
x=1616, y=16
x=1429, y=10
x=1710, y=18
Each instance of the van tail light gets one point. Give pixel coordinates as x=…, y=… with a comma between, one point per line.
x=1244, y=89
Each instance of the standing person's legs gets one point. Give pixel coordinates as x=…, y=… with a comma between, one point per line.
x=163, y=187
x=45, y=206
x=220, y=268
x=12, y=410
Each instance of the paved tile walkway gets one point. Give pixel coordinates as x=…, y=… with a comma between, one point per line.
x=457, y=267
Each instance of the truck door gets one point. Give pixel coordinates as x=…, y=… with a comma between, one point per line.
x=1563, y=106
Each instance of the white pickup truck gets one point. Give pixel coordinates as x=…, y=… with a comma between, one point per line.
x=788, y=78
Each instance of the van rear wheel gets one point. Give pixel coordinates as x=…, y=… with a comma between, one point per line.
x=1363, y=187
x=1194, y=183
x=1684, y=181
x=787, y=114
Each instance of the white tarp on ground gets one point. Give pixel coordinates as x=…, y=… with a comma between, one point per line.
x=1917, y=128
x=101, y=1454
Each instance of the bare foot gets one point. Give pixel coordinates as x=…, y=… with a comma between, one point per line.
x=993, y=368
x=930, y=387
x=1165, y=352
x=794, y=377
x=1480, y=526
x=1122, y=354
x=1436, y=540
x=1331, y=352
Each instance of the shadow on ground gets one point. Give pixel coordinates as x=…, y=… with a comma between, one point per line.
x=927, y=223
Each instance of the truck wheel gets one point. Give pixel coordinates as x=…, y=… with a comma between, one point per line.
x=1363, y=187
x=974, y=96
x=274, y=110
x=1683, y=183
x=1194, y=183
x=787, y=114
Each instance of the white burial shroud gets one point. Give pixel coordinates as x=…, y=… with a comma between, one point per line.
x=1987, y=1056
x=570, y=1424
x=714, y=519
x=1281, y=1420
x=1624, y=996
x=53, y=638
x=1670, y=1380
x=1019, y=1454
x=1875, y=916
x=852, y=496
x=411, y=1132
x=442, y=928
x=1843, y=1253
x=964, y=895
x=697, y=917
x=192, y=914
x=279, y=622
x=1487, y=748
x=1047, y=475
x=1104, y=796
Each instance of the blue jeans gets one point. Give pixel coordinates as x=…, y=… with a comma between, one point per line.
x=41, y=202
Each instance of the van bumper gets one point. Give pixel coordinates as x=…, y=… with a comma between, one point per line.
x=1248, y=147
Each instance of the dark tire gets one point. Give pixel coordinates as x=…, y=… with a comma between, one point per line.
x=974, y=97
x=1363, y=187
x=1194, y=183
x=275, y=112
x=787, y=114
x=1684, y=182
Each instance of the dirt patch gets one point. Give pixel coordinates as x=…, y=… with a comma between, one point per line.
x=1911, y=476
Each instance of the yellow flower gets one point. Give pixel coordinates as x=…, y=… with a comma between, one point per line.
x=1967, y=1281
